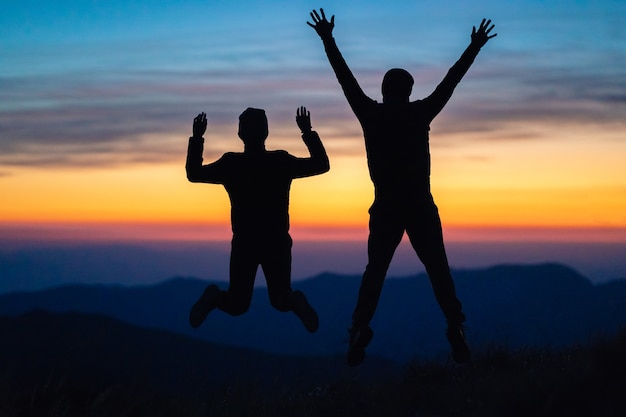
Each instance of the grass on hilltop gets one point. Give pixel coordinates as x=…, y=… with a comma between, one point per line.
x=578, y=381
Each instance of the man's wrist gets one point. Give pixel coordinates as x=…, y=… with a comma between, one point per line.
x=476, y=45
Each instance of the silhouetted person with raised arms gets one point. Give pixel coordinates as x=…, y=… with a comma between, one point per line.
x=398, y=156
x=258, y=183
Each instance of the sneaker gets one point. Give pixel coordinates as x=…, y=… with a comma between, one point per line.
x=359, y=339
x=205, y=304
x=456, y=337
x=304, y=311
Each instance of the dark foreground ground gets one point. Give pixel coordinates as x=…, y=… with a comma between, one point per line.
x=578, y=381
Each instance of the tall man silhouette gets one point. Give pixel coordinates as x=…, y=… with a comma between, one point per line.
x=258, y=183
x=398, y=156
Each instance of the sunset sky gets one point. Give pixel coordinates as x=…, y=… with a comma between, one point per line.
x=97, y=100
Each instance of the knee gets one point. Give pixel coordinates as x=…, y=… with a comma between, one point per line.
x=280, y=302
x=238, y=309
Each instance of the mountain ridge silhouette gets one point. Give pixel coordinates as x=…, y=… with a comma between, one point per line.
x=539, y=305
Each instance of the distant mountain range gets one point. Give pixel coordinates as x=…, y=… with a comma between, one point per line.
x=547, y=305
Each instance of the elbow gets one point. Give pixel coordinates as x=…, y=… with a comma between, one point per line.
x=193, y=175
x=326, y=166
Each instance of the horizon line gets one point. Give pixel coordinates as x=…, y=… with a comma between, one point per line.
x=21, y=233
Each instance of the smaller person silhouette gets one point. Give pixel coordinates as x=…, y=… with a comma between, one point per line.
x=258, y=183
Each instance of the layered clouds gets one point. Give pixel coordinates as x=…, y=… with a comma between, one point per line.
x=115, y=85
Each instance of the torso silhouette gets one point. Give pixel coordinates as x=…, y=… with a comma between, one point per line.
x=396, y=142
x=257, y=182
x=397, y=134
x=258, y=187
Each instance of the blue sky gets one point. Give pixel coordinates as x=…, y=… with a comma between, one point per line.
x=114, y=70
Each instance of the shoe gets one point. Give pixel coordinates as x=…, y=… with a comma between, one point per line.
x=205, y=304
x=304, y=311
x=456, y=337
x=359, y=339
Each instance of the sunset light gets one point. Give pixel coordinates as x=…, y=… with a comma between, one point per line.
x=94, y=126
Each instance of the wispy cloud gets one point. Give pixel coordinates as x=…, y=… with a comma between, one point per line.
x=85, y=120
x=111, y=102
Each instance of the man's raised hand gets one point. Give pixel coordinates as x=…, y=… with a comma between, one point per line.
x=481, y=36
x=303, y=119
x=199, y=125
x=322, y=26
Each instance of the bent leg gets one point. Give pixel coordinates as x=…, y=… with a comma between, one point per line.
x=205, y=304
x=276, y=265
x=243, y=266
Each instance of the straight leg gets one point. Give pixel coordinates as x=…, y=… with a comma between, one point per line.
x=386, y=232
x=426, y=237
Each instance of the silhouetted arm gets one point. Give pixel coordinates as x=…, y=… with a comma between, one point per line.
x=353, y=92
x=438, y=99
x=318, y=162
x=196, y=172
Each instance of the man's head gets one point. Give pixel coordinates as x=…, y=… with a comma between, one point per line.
x=397, y=86
x=253, y=128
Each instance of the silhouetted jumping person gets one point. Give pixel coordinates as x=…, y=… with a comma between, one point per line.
x=258, y=183
x=398, y=156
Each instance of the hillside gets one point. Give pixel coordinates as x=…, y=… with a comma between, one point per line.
x=90, y=366
x=93, y=352
x=547, y=305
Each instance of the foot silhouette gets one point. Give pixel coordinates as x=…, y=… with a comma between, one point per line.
x=456, y=337
x=359, y=339
x=304, y=311
x=205, y=304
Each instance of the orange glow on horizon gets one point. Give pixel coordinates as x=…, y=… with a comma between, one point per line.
x=480, y=184
x=15, y=234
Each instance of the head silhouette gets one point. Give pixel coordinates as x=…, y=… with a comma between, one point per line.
x=253, y=128
x=397, y=86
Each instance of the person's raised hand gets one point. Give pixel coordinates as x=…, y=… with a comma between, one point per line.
x=322, y=26
x=199, y=125
x=481, y=36
x=303, y=119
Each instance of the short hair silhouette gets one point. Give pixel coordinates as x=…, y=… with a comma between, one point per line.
x=253, y=125
x=397, y=85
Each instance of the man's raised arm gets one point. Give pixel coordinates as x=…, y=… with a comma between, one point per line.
x=196, y=172
x=438, y=99
x=318, y=162
x=349, y=84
